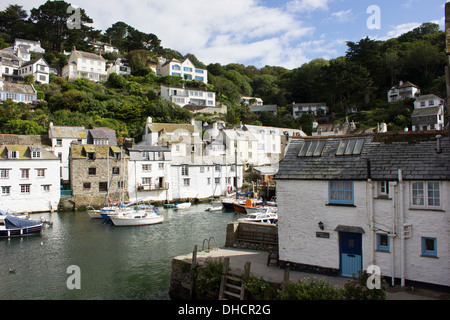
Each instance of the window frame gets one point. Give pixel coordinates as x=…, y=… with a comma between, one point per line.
x=425, y=251
x=338, y=201
x=424, y=193
x=382, y=247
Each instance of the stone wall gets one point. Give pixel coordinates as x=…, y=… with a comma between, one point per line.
x=250, y=235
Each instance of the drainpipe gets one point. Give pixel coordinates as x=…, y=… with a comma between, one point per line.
x=371, y=210
x=402, y=233
x=392, y=235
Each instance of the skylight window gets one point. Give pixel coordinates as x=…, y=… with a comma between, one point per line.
x=350, y=147
x=312, y=148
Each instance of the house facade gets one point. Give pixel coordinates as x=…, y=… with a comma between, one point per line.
x=316, y=108
x=17, y=92
x=204, y=177
x=428, y=113
x=188, y=96
x=402, y=91
x=38, y=68
x=9, y=65
x=346, y=203
x=98, y=172
x=29, y=179
x=149, y=173
x=120, y=66
x=184, y=69
x=85, y=65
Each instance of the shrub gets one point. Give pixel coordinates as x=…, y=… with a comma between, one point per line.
x=259, y=289
x=310, y=289
x=356, y=289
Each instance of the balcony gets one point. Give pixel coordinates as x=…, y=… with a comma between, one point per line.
x=153, y=187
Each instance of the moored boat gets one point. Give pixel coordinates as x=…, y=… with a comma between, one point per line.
x=263, y=216
x=15, y=226
x=215, y=207
x=4, y=214
x=184, y=205
x=136, y=218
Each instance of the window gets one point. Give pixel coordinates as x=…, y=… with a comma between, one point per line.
x=426, y=194
x=25, y=173
x=147, y=181
x=46, y=188
x=115, y=170
x=208, y=181
x=312, y=148
x=429, y=247
x=161, y=166
x=187, y=182
x=86, y=185
x=25, y=188
x=92, y=171
x=350, y=147
x=40, y=173
x=103, y=186
x=217, y=180
x=4, y=173
x=341, y=192
x=58, y=142
x=36, y=154
x=147, y=167
x=91, y=155
x=184, y=170
x=6, y=190
x=383, y=190
x=382, y=242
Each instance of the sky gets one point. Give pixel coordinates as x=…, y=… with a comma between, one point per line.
x=285, y=33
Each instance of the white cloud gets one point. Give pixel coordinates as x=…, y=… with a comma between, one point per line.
x=401, y=29
x=307, y=5
x=342, y=16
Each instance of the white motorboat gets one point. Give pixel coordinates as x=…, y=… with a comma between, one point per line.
x=215, y=207
x=97, y=213
x=263, y=209
x=136, y=218
x=265, y=217
x=184, y=205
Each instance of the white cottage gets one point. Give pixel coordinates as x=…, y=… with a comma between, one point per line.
x=86, y=65
x=428, y=113
x=184, y=69
x=345, y=203
x=38, y=68
x=29, y=179
x=149, y=173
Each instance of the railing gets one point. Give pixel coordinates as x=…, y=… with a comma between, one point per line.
x=66, y=193
x=153, y=187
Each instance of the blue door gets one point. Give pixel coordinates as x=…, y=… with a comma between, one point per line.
x=351, y=253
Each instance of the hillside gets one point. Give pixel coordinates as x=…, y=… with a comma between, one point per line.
x=362, y=77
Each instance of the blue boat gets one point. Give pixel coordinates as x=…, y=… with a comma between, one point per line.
x=19, y=227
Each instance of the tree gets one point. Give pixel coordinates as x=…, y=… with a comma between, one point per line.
x=344, y=83
x=13, y=23
x=50, y=25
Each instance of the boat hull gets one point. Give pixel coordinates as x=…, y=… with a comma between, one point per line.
x=129, y=222
x=6, y=233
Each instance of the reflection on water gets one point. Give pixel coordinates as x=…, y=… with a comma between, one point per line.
x=115, y=262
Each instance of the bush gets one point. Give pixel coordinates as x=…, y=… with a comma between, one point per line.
x=259, y=289
x=356, y=289
x=310, y=289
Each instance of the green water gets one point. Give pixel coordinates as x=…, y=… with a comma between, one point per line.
x=116, y=263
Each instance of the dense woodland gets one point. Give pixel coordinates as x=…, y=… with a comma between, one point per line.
x=360, y=78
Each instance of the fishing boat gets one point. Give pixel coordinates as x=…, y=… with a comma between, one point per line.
x=265, y=216
x=228, y=203
x=249, y=203
x=15, y=226
x=136, y=218
x=4, y=214
x=184, y=205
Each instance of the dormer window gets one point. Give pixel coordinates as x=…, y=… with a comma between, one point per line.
x=13, y=154
x=35, y=152
x=117, y=156
x=90, y=155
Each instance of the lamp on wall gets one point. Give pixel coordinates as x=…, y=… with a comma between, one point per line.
x=321, y=226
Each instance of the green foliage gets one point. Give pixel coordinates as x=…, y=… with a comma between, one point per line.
x=310, y=289
x=209, y=276
x=356, y=289
x=259, y=289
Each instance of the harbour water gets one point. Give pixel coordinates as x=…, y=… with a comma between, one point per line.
x=116, y=263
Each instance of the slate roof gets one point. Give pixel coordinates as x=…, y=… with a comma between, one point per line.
x=381, y=157
x=25, y=152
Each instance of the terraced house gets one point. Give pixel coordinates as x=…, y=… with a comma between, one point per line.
x=348, y=202
x=98, y=172
x=29, y=179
